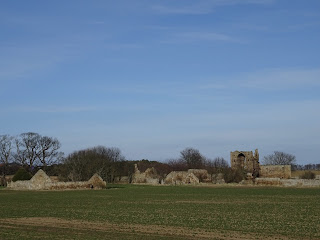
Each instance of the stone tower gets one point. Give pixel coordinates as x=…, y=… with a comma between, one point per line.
x=246, y=160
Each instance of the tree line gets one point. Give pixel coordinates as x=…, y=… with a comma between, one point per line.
x=33, y=151
x=28, y=150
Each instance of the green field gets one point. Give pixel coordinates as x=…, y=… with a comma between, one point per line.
x=161, y=212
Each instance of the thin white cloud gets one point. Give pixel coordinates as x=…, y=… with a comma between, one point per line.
x=271, y=79
x=193, y=37
x=118, y=46
x=54, y=109
x=282, y=79
x=181, y=10
x=303, y=26
x=22, y=61
x=204, y=6
x=205, y=36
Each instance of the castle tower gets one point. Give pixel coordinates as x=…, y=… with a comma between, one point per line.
x=246, y=160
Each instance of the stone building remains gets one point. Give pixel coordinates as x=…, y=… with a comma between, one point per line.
x=41, y=181
x=201, y=174
x=192, y=176
x=181, y=178
x=150, y=176
x=246, y=160
x=275, y=171
x=249, y=161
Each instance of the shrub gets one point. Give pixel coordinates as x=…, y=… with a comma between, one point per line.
x=308, y=175
x=234, y=175
x=22, y=174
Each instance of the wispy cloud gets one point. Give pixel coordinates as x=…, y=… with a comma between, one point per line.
x=205, y=36
x=181, y=10
x=191, y=37
x=204, y=6
x=118, y=46
x=303, y=26
x=20, y=62
x=282, y=79
x=269, y=80
x=54, y=109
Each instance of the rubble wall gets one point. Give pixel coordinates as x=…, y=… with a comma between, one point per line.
x=288, y=182
x=275, y=171
x=181, y=178
x=41, y=181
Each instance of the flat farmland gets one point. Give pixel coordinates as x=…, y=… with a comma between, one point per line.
x=161, y=212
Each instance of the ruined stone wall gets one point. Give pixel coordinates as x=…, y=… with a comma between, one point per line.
x=201, y=174
x=41, y=181
x=288, y=182
x=150, y=176
x=246, y=160
x=181, y=178
x=275, y=171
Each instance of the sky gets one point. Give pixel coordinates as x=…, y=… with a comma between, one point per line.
x=155, y=77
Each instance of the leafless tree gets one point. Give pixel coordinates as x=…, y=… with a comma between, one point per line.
x=81, y=165
x=217, y=165
x=192, y=157
x=48, y=150
x=27, y=146
x=5, y=154
x=279, y=158
x=177, y=164
x=32, y=149
x=220, y=162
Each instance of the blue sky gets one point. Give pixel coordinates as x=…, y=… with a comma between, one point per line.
x=154, y=77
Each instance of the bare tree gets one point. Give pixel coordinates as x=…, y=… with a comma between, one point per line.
x=279, y=158
x=192, y=157
x=32, y=149
x=177, y=164
x=81, y=165
x=48, y=150
x=217, y=165
x=27, y=146
x=220, y=163
x=5, y=154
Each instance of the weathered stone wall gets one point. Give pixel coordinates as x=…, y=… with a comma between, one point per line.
x=41, y=181
x=201, y=174
x=275, y=171
x=150, y=176
x=181, y=178
x=218, y=178
x=246, y=160
x=288, y=182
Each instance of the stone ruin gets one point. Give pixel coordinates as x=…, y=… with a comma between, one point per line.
x=276, y=175
x=275, y=171
x=150, y=176
x=250, y=162
x=246, y=160
x=201, y=174
x=181, y=178
x=192, y=176
x=41, y=181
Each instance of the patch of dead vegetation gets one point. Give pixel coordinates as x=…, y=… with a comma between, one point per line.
x=150, y=230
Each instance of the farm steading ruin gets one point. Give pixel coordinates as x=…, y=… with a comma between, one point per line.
x=246, y=161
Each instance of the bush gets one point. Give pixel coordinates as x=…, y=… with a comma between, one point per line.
x=308, y=175
x=22, y=174
x=234, y=175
